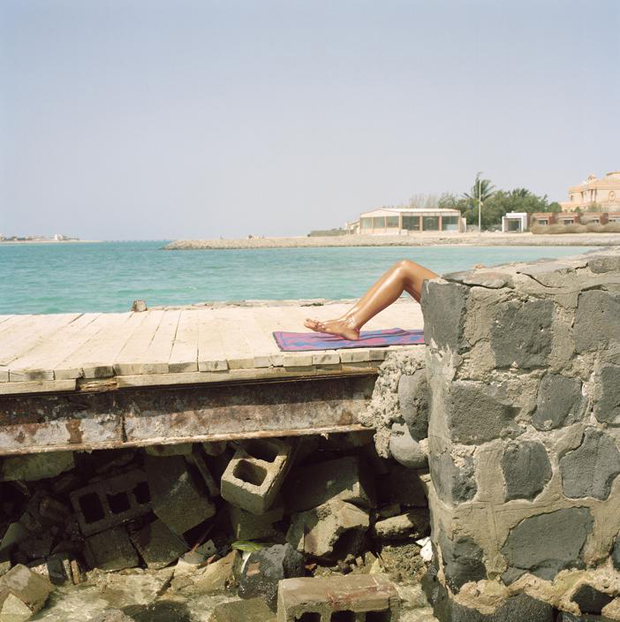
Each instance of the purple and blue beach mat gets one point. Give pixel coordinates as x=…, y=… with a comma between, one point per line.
x=303, y=342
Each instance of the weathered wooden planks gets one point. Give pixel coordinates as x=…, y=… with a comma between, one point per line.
x=173, y=346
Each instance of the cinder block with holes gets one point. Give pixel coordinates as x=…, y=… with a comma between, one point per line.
x=112, y=501
x=350, y=598
x=255, y=473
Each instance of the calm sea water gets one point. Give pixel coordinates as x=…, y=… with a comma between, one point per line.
x=108, y=276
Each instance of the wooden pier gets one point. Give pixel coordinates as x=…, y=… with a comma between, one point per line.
x=93, y=381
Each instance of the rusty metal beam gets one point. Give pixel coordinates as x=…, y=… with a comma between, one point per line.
x=166, y=415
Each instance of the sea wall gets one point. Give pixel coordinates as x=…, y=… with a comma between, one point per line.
x=523, y=371
x=418, y=239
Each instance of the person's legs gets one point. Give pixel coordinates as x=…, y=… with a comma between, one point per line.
x=403, y=276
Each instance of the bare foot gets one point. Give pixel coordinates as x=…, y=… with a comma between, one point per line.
x=342, y=327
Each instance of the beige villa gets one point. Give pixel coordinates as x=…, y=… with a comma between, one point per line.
x=407, y=221
x=604, y=193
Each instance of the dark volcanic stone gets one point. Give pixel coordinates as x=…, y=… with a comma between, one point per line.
x=463, y=561
x=265, y=568
x=443, y=307
x=564, y=616
x=560, y=402
x=597, y=320
x=520, y=608
x=590, y=600
x=454, y=484
x=413, y=401
x=547, y=543
x=521, y=333
x=478, y=412
x=526, y=468
x=607, y=409
x=589, y=470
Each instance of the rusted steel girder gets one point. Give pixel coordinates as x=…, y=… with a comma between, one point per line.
x=165, y=415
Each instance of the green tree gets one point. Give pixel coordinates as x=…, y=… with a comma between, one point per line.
x=482, y=190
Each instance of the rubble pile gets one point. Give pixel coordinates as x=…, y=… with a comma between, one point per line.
x=243, y=517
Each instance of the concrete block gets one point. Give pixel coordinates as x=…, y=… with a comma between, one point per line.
x=255, y=474
x=22, y=594
x=33, y=467
x=344, y=479
x=264, y=569
x=179, y=495
x=248, y=526
x=253, y=610
x=111, y=550
x=112, y=501
x=350, y=598
x=157, y=545
x=332, y=530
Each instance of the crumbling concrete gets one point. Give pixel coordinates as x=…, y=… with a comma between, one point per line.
x=345, y=479
x=334, y=529
x=253, y=610
x=111, y=550
x=157, y=545
x=22, y=594
x=254, y=476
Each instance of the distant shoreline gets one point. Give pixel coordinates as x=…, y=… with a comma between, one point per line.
x=48, y=241
x=462, y=239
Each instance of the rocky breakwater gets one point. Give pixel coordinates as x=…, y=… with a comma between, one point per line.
x=523, y=368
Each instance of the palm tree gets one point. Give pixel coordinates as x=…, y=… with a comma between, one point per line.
x=481, y=190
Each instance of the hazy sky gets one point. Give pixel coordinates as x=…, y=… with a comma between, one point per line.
x=152, y=119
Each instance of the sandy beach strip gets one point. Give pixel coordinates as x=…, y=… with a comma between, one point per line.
x=420, y=239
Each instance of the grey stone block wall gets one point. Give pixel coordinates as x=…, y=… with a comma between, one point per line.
x=523, y=373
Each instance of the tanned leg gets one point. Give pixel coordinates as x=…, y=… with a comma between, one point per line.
x=405, y=276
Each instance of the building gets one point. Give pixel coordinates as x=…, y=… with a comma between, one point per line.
x=603, y=193
x=517, y=222
x=407, y=221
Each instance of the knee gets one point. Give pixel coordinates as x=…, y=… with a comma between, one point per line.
x=404, y=265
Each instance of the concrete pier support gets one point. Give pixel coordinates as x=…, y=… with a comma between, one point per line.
x=523, y=367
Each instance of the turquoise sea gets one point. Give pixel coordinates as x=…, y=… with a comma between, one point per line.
x=108, y=276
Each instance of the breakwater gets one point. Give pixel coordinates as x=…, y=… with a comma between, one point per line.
x=423, y=239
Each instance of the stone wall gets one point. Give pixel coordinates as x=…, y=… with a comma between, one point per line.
x=523, y=369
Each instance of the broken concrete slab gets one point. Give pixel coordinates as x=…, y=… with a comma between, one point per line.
x=220, y=575
x=343, y=479
x=179, y=495
x=255, y=474
x=33, y=467
x=22, y=594
x=332, y=530
x=111, y=550
x=157, y=545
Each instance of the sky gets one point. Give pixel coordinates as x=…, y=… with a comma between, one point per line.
x=166, y=119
